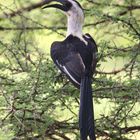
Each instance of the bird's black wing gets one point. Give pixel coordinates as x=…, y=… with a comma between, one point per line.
x=73, y=57
x=74, y=67
x=68, y=59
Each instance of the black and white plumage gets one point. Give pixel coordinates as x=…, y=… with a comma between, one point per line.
x=76, y=57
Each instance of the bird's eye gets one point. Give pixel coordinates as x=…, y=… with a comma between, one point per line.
x=68, y=5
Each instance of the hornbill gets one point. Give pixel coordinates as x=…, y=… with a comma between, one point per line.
x=76, y=57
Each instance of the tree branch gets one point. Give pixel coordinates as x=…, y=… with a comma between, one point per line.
x=28, y=8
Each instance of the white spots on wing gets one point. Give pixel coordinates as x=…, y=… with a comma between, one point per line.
x=72, y=78
x=82, y=39
x=66, y=71
x=59, y=63
x=87, y=36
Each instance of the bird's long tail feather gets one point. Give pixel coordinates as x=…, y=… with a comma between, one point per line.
x=86, y=114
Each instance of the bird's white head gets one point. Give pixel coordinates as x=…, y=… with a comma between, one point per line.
x=75, y=15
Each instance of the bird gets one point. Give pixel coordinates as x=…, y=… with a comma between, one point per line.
x=76, y=57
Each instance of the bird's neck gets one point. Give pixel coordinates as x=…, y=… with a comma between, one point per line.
x=74, y=26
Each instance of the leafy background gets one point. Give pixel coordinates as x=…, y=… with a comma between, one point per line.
x=38, y=102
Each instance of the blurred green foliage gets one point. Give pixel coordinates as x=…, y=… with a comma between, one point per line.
x=37, y=102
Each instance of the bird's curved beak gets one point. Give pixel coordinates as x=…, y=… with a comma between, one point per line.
x=63, y=6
